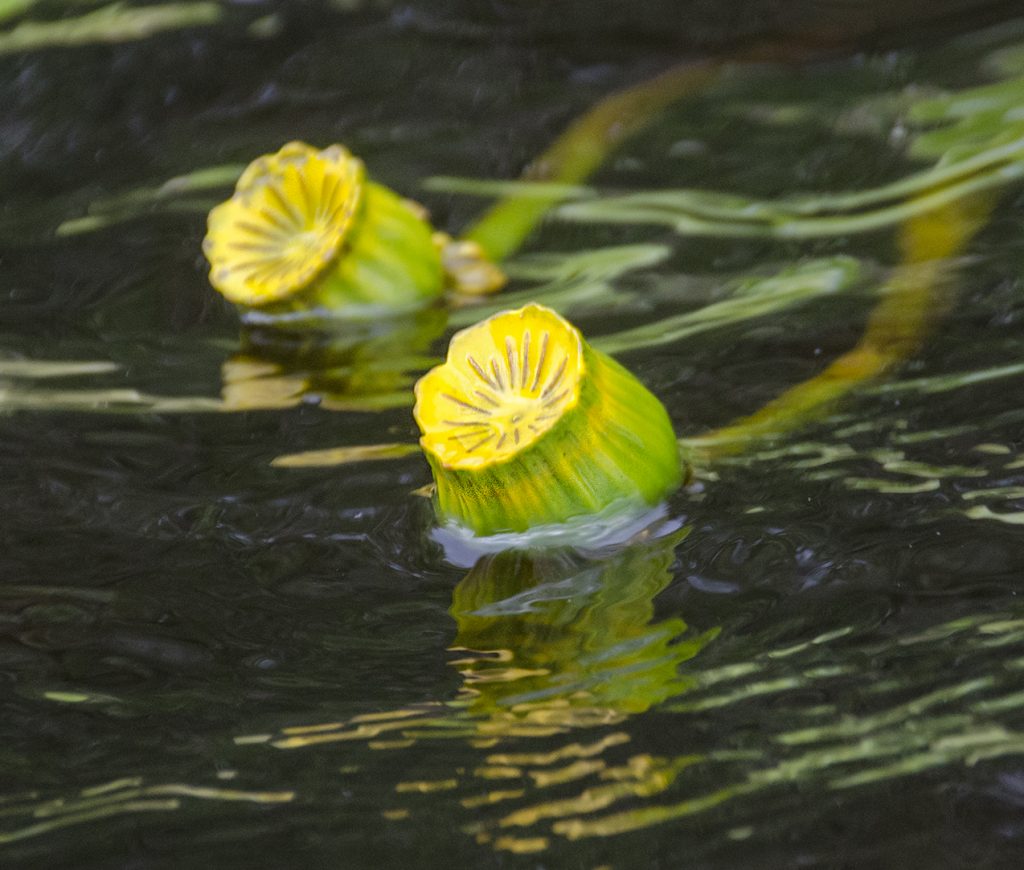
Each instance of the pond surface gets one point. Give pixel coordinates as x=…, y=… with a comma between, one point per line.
x=815, y=655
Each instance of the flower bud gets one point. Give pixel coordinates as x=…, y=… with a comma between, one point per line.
x=526, y=425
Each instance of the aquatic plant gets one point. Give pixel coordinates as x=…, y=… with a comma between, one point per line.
x=113, y=23
x=306, y=231
x=580, y=150
x=915, y=299
x=526, y=424
x=972, y=134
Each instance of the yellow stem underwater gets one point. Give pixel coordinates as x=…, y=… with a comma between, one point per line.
x=579, y=151
x=917, y=297
x=582, y=148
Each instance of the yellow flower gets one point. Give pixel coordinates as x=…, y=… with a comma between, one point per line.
x=305, y=230
x=286, y=222
x=525, y=424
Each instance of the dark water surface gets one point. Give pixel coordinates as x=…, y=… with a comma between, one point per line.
x=815, y=659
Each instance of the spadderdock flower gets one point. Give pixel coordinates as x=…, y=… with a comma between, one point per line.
x=307, y=231
x=526, y=425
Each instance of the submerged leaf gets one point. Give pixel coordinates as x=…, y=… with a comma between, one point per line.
x=104, y=401
x=572, y=278
x=12, y=8
x=40, y=368
x=752, y=298
x=345, y=455
x=521, y=189
x=109, y=24
x=690, y=212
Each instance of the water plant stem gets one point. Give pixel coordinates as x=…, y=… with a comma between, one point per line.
x=114, y=23
x=582, y=148
x=919, y=294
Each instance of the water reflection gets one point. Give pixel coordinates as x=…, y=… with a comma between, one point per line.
x=845, y=715
x=547, y=642
x=352, y=364
x=557, y=639
x=552, y=643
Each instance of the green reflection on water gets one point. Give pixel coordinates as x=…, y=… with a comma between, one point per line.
x=555, y=641
x=367, y=363
x=561, y=640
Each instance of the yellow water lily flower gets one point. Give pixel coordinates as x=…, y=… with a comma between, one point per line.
x=525, y=424
x=289, y=216
x=307, y=231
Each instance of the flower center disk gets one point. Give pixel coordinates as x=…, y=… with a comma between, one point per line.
x=506, y=383
x=285, y=224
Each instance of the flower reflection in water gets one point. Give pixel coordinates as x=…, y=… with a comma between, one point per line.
x=345, y=365
x=556, y=649
x=558, y=640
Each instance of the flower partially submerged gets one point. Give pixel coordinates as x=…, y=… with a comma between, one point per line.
x=525, y=425
x=306, y=231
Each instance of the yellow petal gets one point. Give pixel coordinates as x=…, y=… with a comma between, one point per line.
x=285, y=224
x=525, y=425
x=506, y=382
